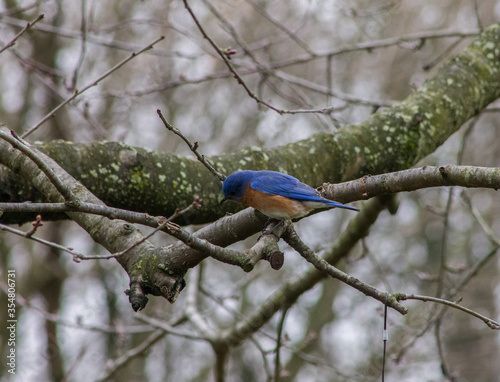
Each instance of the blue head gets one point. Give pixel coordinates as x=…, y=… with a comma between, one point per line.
x=235, y=185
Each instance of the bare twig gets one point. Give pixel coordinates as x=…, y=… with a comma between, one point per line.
x=321, y=264
x=192, y=146
x=378, y=44
x=488, y=321
x=77, y=35
x=46, y=80
x=37, y=223
x=291, y=34
x=195, y=205
x=90, y=85
x=437, y=315
x=169, y=328
x=25, y=29
x=277, y=361
x=113, y=365
x=228, y=64
x=38, y=240
x=325, y=90
x=475, y=3
x=191, y=309
x=38, y=208
x=479, y=218
x=83, y=44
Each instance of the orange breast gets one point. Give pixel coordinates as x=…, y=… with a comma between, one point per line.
x=275, y=206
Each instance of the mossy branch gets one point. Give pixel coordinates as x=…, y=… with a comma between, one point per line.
x=393, y=139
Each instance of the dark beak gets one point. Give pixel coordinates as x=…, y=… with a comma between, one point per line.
x=224, y=199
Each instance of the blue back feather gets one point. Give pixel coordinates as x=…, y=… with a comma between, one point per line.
x=276, y=183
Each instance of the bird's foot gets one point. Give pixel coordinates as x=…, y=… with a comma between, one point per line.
x=273, y=227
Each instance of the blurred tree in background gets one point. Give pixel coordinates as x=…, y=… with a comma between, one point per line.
x=317, y=81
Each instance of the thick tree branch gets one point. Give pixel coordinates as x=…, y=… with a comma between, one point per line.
x=151, y=270
x=114, y=235
x=394, y=139
x=413, y=179
x=391, y=140
x=194, y=248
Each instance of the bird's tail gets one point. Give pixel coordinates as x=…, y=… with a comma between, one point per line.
x=339, y=205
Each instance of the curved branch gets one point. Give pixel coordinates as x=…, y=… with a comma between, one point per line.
x=322, y=265
x=488, y=321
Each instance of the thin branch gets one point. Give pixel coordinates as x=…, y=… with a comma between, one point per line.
x=168, y=328
x=439, y=343
x=322, y=89
x=45, y=77
x=83, y=43
x=196, y=204
x=263, y=69
x=437, y=315
x=444, y=244
x=25, y=29
x=488, y=321
x=266, y=70
x=322, y=265
x=277, y=361
x=226, y=61
x=262, y=11
x=77, y=35
x=192, y=146
x=263, y=354
x=113, y=365
x=41, y=241
x=475, y=4
x=191, y=308
x=479, y=218
x=378, y=44
x=364, y=46
x=78, y=360
x=90, y=85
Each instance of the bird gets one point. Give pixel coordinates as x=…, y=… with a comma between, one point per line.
x=277, y=195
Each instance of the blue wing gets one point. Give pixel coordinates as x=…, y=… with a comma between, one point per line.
x=276, y=183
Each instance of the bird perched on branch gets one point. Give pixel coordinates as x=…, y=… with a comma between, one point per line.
x=276, y=195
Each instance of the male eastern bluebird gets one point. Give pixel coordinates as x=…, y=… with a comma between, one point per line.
x=277, y=195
